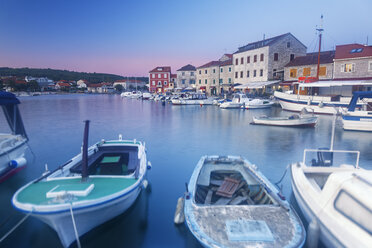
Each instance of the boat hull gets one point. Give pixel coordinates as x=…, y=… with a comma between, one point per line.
x=87, y=218
x=16, y=152
x=297, y=103
x=357, y=122
x=302, y=122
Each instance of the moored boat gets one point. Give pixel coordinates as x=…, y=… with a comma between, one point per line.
x=358, y=118
x=230, y=203
x=93, y=187
x=334, y=198
x=12, y=145
x=239, y=99
x=286, y=121
x=193, y=99
x=258, y=104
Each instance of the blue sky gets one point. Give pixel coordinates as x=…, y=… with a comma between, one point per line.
x=132, y=37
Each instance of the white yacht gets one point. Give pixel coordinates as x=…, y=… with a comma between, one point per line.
x=358, y=117
x=238, y=101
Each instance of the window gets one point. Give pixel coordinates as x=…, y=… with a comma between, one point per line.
x=236, y=74
x=288, y=44
x=247, y=73
x=354, y=210
x=357, y=50
x=306, y=71
x=214, y=70
x=214, y=81
x=348, y=68
x=370, y=65
x=206, y=81
x=192, y=81
x=274, y=73
x=206, y=71
x=261, y=57
x=192, y=73
x=261, y=72
x=293, y=73
x=199, y=72
x=236, y=61
x=248, y=59
x=322, y=71
x=153, y=83
x=229, y=69
x=158, y=75
x=276, y=56
x=165, y=83
x=254, y=73
x=255, y=58
x=229, y=80
x=183, y=81
x=165, y=75
x=153, y=75
x=199, y=81
x=221, y=70
x=183, y=73
x=241, y=74
x=221, y=81
x=159, y=83
x=241, y=60
x=292, y=57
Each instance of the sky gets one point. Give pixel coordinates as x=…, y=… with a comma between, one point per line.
x=130, y=38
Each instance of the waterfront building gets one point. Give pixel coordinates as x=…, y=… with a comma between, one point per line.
x=306, y=66
x=172, y=83
x=263, y=61
x=82, y=83
x=131, y=84
x=186, y=77
x=211, y=76
x=61, y=85
x=353, y=62
x=159, y=79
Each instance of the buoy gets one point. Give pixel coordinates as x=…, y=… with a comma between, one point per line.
x=18, y=162
x=313, y=232
x=201, y=105
x=179, y=216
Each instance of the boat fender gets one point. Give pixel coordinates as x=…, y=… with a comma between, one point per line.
x=179, y=216
x=309, y=102
x=321, y=104
x=313, y=232
x=18, y=162
x=145, y=184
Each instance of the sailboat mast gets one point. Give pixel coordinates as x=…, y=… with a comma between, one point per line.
x=320, y=30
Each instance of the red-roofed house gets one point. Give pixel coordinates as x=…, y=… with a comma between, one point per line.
x=215, y=77
x=62, y=85
x=353, y=61
x=159, y=79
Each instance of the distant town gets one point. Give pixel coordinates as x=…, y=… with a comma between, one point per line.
x=260, y=67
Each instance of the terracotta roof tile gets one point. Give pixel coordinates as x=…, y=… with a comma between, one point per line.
x=161, y=69
x=312, y=59
x=353, y=51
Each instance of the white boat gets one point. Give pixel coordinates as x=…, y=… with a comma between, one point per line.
x=93, y=187
x=358, y=118
x=193, y=99
x=230, y=203
x=146, y=96
x=239, y=99
x=257, y=104
x=126, y=94
x=287, y=121
x=136, y=94
x=12, y=145
x=334, y=198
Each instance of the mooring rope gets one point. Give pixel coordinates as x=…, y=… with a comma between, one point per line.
x=12, y=230
x=281, y=179
x=75, y=229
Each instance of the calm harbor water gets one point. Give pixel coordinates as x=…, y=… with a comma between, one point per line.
x=176, y=137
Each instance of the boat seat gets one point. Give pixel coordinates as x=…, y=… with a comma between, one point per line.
x=228, y=187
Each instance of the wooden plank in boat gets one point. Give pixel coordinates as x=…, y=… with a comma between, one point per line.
x=228, y=187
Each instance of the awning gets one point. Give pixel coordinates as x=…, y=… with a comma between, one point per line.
x=336, y=83
x=202, y=87
x=255, y=85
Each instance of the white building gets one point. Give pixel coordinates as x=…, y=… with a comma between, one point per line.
x=186, y=77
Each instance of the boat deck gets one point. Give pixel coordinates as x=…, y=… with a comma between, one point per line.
x=214, y=221
x=77, y=191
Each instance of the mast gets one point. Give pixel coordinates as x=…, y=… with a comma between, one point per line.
x=320, y=30
x=84, y=170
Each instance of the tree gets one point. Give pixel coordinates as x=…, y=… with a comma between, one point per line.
x=119, y=87
x=33, y=86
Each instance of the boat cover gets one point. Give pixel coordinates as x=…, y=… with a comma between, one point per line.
x=358, y=95
x=9, y=102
